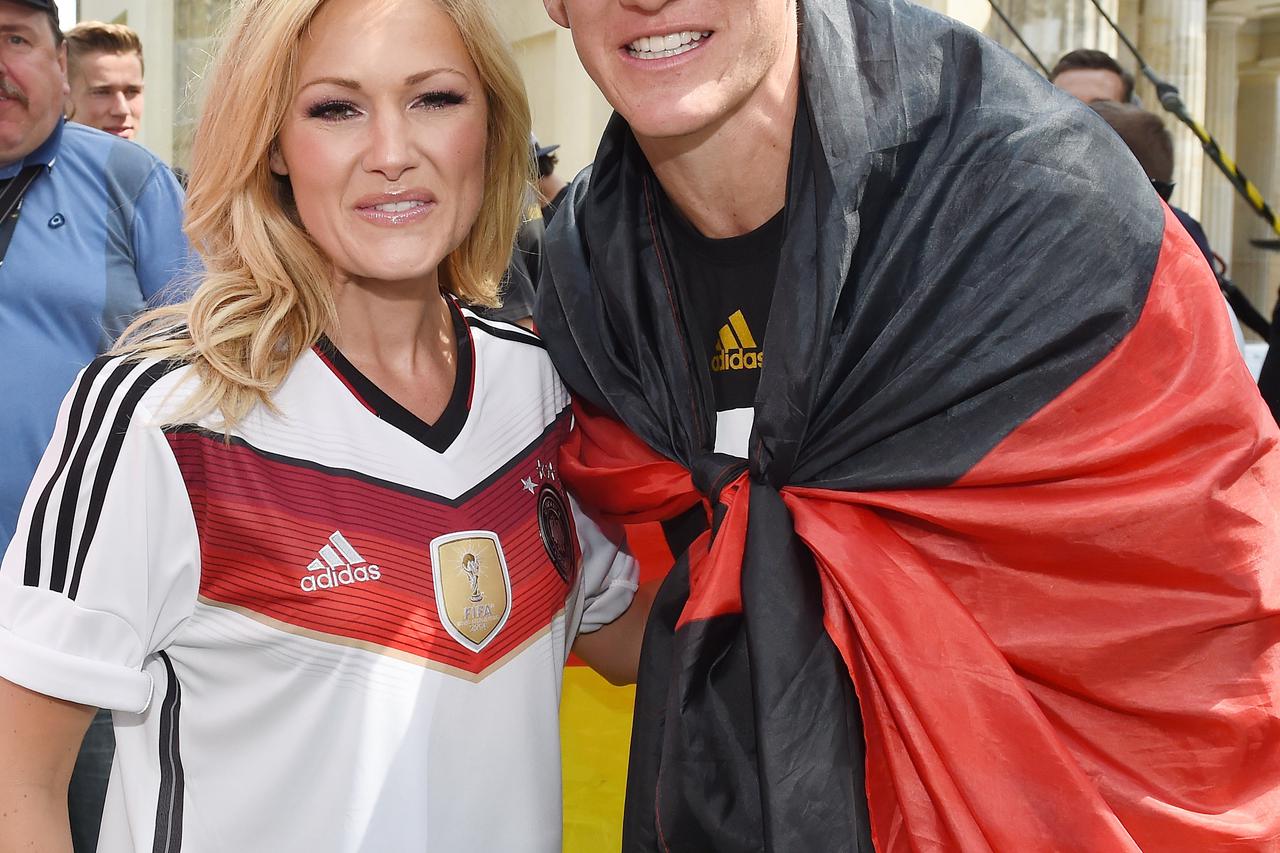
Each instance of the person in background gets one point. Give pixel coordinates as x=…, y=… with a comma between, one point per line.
x=551, y=187
x=91, y=233
x=520, y=282
x=105, y=68
x=1092, y=75
x=517, y=287
x=1152, y=146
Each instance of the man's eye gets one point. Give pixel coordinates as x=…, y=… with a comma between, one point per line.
x=332, y=111
x=439, y=100
x=16, y=39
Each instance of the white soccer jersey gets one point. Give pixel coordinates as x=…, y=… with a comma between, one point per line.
x=341, y=630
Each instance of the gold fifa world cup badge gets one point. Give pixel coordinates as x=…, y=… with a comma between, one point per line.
x=472, y=585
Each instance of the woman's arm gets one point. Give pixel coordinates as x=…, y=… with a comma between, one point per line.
x=614, y=649
x=39, y=740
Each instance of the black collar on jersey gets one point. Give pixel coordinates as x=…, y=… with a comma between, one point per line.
x=961, y=244
x=437, y=436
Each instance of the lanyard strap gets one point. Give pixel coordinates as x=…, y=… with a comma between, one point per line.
x=11, y=204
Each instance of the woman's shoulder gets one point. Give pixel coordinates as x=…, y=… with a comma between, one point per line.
x=136, y=381
x=513, y=364
x=501, y=330
x=116, y=395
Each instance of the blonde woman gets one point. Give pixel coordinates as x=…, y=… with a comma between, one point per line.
x=305, y=535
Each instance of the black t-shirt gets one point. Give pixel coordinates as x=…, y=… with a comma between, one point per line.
x=725, y=290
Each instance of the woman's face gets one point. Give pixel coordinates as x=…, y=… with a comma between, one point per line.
x=384, y=140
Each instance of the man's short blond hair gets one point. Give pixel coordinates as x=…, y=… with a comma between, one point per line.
x=97, y=37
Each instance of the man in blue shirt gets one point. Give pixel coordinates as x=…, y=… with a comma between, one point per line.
x=90, y=233
x=97, y=237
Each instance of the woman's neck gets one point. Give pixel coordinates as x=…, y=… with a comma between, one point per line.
x=400, y=335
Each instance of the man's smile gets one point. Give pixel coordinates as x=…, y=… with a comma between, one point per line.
x=670, y=44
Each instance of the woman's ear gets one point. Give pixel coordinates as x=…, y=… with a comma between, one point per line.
x=276, y=160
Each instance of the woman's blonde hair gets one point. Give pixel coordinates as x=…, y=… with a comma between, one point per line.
x=265, y=294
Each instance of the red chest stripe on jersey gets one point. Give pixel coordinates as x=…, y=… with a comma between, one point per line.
x=263, y=520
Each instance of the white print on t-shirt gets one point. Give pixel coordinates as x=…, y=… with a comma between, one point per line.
x=339, y=564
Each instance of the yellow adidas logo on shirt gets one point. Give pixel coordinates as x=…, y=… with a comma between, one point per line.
x=737, y=348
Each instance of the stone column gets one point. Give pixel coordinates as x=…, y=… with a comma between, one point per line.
x=1173, y=43
x=1130, y=20
x=1217, y=197
x=1258, y=121
x=195, y=23
x=1053, y=27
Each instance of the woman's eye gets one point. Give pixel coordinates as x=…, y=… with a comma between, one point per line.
x=439, y=100
x=332, y=111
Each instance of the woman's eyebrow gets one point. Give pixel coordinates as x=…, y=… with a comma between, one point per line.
x=337, y=81
x=423, y=75
x=411, y=80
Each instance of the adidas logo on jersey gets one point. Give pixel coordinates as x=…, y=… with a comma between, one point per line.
x=737, y=348
x=339, y=564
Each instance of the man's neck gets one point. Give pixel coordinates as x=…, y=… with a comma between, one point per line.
x=732, y=178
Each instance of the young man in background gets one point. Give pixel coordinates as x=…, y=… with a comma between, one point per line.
x=104, y=68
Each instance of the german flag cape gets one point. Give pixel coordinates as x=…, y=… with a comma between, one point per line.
x=1005, y=553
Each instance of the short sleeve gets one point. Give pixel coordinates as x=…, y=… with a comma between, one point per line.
x=104, y=564
x=610, y=575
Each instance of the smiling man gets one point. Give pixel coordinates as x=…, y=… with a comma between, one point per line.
x=90, y=231
x=985, y=553
x=104, y=68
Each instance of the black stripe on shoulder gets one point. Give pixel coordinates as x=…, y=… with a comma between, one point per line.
x=31, y=577
x=168, y=834
x=66, y=511
x=107, y=464
x=507, y=334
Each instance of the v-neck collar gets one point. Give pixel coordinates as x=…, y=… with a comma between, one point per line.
x=438, y=436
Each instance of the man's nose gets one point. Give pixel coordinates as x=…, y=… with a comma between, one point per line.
x=645, y=5
x=120, y=105
x=7, y=85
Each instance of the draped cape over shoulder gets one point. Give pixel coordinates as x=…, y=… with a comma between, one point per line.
x=1002, y=571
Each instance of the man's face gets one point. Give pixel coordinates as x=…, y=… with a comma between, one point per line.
x=681, y=67
x=33, y=80
x=1091, y=84
x=106, y=92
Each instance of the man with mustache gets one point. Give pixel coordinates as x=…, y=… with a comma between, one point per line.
x=975, y=505
x=90, y=232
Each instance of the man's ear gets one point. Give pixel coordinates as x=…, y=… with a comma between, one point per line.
x=555, y=8
x=276, y=160
x=62, y=66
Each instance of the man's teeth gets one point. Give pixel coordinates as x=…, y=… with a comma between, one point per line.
x=397, y=206
x=672, y=44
